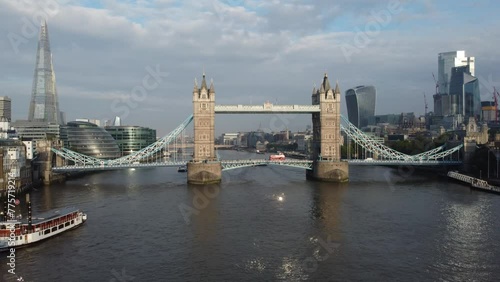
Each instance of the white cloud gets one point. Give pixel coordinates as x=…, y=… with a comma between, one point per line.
x=254, y=50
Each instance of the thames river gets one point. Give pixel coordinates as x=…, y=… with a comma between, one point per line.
x=265, y=224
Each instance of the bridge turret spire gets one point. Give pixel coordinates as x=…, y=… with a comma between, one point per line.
x=314, y=96
x=195, y=85
x=204, y=82
x=326, y=83
x=337, y=89
x=212, y=88
x=322, y=88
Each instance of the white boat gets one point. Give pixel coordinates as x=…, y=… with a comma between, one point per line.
x=182, y=168
x=20, y=233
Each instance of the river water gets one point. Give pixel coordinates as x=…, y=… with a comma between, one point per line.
x=265, y=224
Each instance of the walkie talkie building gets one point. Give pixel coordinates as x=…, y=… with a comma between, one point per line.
x=360, y=103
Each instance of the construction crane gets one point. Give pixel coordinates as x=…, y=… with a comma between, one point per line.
x=495, y=95
x=435, y=81
x=426, y=106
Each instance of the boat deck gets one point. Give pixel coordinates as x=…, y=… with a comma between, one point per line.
x=475, y=183
x=44, y=216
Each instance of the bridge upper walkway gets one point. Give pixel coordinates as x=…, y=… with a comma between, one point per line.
x=266, y=108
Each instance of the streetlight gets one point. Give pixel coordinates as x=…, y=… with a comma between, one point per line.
x=496, y=158
x=489, y=164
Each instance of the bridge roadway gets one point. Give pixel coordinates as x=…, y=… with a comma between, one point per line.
x=234, y=164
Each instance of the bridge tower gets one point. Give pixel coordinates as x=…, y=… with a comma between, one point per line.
x=327, y=139
x=204, y=168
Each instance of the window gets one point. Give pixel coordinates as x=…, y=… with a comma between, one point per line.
x=329, y=108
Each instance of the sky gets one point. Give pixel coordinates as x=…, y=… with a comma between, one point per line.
x=139, y=59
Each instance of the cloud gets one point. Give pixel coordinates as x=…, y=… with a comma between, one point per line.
x=254, y=51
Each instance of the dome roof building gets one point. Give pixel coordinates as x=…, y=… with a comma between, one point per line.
x=91, y=140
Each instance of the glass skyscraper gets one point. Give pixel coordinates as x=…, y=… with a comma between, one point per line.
x=449, y=60
x=464, y=93
x=360, y=103
x=44, y=105
x=450, y=98
x=131, y=139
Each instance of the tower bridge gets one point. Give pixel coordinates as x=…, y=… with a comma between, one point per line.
x=206, y=166
x=325, y=110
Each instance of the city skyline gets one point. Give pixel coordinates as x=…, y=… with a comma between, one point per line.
x=254, y=52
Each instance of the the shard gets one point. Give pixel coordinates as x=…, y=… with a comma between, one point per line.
x=44, y=105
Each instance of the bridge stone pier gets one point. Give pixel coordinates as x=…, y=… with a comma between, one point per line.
x=47, y=159
x=204, y=168
x=327, y=139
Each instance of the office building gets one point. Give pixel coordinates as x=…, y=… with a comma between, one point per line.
x=360, y=103
x=62, y=117
x=449, y=60
x=304, y=142
x=38, y=130
x=402, y=119
x=229, y=139
x=254, y=137
x=5, y=108
x=94, y=121
x=44, y=104
x=117, y=121
x=464, y=93
x=6, y=131
x=488, y=111
x=448, y=102
x=14, y=166
x=131, y=139
x=30, y=152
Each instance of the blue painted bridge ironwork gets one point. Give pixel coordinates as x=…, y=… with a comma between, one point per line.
x=149, y=156
x=235, y=164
